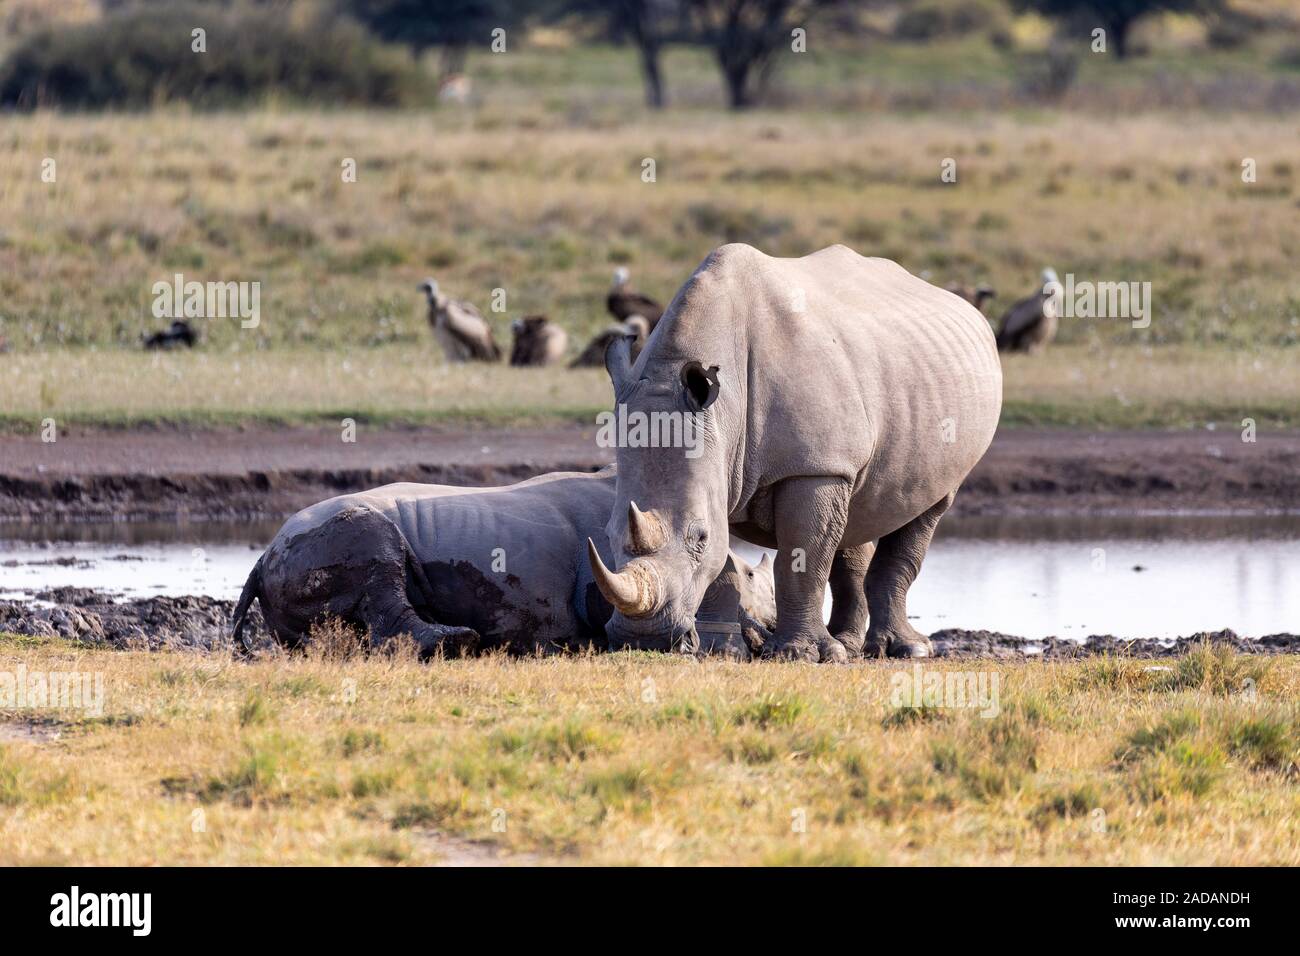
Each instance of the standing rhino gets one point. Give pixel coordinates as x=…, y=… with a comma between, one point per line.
x=840, y=402
x=456, y=568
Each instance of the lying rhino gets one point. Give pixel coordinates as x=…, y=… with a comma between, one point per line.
x=459, y=568
x=839, y=402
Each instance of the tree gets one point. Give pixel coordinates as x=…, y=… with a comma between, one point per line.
x=1116, y=16
x=451, y=25
x=641, y=21
x=745, y=36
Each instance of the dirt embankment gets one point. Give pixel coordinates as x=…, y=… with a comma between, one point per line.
x=202, y=475
x=202, y=624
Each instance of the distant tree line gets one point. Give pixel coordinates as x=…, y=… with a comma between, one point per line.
x=318, y=49
x=744, y=36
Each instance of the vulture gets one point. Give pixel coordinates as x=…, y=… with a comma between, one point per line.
x=976, y=295
x=460, y=329
x=177, y=334
x=623, y=303
x=1030, y=324
x=538, y=341
x=593, y=356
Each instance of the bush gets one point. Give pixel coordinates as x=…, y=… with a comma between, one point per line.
x=143, y=56
x=1289, y=58
x=1230, y=32
x=931, y=20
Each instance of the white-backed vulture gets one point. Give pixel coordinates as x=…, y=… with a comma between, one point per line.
x=1030, y=324
x=538, y=341
x=975, y=295
x=593, y=356
x=460, y=329
x=623, y=303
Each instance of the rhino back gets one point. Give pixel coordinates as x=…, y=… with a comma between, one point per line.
x=505, y=561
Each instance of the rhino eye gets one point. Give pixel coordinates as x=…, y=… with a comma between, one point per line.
x=697, y=536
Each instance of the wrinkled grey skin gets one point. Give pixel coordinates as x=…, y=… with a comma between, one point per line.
x=456, y=568
x=849, y=401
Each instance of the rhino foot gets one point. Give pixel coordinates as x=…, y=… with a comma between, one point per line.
x=831, y=650
x=851, y=642
x=898, y=641
x=798, y=648
x=451, y=641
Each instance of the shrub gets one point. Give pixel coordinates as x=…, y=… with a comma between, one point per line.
x=931, y=20
x=142, y=56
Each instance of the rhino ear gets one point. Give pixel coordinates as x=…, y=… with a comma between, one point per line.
x=618, y=362
x=701, y=385
x=764, y=561
x=730, y=566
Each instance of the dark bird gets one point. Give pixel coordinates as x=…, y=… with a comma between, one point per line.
x=623, y=303
x=177, y=334
x=976, y=295
x=538, y=342
x=1030, y=324
x=460, y=329
x=593, y=356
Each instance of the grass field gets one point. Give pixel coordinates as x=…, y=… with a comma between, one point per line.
x=538, y=191
x=649, y=759
x=1076, y=386
x=545, y=214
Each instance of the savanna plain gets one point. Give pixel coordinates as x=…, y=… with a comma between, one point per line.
x=331, y=757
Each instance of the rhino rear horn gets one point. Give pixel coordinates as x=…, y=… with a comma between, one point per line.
x=645, y=532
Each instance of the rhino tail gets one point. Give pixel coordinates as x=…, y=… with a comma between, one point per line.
x=252, y=589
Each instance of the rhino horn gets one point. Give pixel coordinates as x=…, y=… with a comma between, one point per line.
x=634, y=591
x=645, y=532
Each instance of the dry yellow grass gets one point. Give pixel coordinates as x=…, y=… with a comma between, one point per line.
x=649, y=759
x=1095, y=387
x=546, y=209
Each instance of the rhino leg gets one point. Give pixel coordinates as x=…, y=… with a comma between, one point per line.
x=388, y=613
x=894, y=567
x=358, y=567
x=811, y=514
x=398, y=618
x=849, y=600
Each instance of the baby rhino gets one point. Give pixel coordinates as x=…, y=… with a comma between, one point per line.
x=460, y=569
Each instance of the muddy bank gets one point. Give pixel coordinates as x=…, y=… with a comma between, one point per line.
x=270, y=473
x=202, y=624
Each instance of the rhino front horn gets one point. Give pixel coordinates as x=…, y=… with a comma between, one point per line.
x=634, y=591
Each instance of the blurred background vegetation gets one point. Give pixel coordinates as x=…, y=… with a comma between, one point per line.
x=916, y=54
x=522, y=169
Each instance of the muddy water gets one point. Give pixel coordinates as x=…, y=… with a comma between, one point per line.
x=1069, y=577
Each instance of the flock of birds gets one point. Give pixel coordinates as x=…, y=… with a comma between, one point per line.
x=466, y=336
